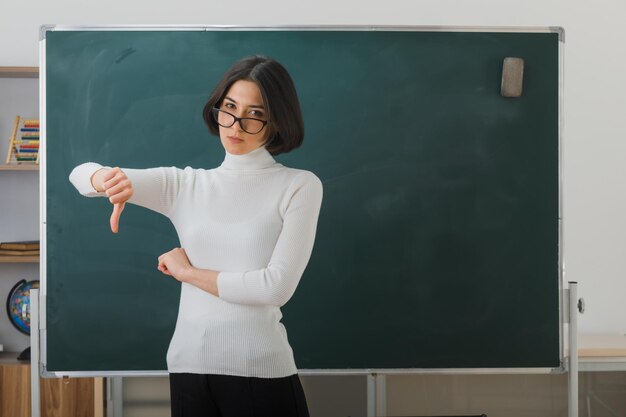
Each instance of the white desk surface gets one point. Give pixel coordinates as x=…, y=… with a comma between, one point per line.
x=602, y=353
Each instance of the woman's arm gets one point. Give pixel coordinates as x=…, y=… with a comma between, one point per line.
x=155, y=188
x=118, y=193
x=81, y=178
x=176, y=264
x=275, y=284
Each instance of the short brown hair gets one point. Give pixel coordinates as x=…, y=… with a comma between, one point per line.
x=279, y=97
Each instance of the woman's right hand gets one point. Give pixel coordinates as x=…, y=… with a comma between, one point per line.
x=117, y=187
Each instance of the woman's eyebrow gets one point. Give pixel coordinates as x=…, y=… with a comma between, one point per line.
x=258, y=106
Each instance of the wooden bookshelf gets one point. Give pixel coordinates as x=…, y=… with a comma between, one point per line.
x=66, y=397
x=19, y=72
x=19, y=259
x=22, y=167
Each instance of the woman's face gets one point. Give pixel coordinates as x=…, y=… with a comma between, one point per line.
x=243, y=99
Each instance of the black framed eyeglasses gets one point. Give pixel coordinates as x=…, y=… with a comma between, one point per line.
x=248, y=124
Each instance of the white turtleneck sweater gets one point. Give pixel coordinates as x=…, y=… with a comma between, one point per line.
x=252, y=219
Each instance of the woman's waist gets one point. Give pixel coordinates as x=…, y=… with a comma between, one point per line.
x=195, y=302
x=228, y=314
x=232, y=332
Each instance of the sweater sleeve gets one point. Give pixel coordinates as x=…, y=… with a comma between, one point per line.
x=154, y=188
x=80, y=177
x=276, y=283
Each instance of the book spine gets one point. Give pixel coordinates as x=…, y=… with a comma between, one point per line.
x=20, y=244
x=18, y=252
x=18, y=248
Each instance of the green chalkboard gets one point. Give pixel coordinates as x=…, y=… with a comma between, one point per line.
x=438, y=238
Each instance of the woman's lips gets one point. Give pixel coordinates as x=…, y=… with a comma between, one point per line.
x=235, y=139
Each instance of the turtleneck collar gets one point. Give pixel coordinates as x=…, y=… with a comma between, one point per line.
x=257, y=159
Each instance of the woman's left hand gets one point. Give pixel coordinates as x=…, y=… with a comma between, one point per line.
x=175, y=263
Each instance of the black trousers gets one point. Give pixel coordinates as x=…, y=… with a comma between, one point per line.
x=198, y=395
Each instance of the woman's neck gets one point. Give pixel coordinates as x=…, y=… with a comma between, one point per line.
x=257, y=159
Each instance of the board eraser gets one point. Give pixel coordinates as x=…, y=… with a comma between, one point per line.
x=512, y=77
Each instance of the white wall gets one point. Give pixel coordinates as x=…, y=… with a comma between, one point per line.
x=595, y=96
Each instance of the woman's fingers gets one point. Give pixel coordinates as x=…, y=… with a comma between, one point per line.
x=162, y=267
x=110, y=173
x=121, y=197
x=117, y=188
x=112, y=177
x=108, y=176
x=115, y=217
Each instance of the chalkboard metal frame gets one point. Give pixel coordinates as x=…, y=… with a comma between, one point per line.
x=399, y=28
x=307, y=372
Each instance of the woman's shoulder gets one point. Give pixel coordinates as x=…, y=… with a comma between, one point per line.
x=299, y=178
x=301, y=174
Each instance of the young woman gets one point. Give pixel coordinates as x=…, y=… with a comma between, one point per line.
x=246, y=229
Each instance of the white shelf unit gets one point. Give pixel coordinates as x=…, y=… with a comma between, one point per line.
x=19, y=194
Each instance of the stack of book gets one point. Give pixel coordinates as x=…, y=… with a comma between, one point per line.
x=24, y=248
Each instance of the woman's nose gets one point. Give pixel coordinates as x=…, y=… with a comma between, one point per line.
x=237, y=126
